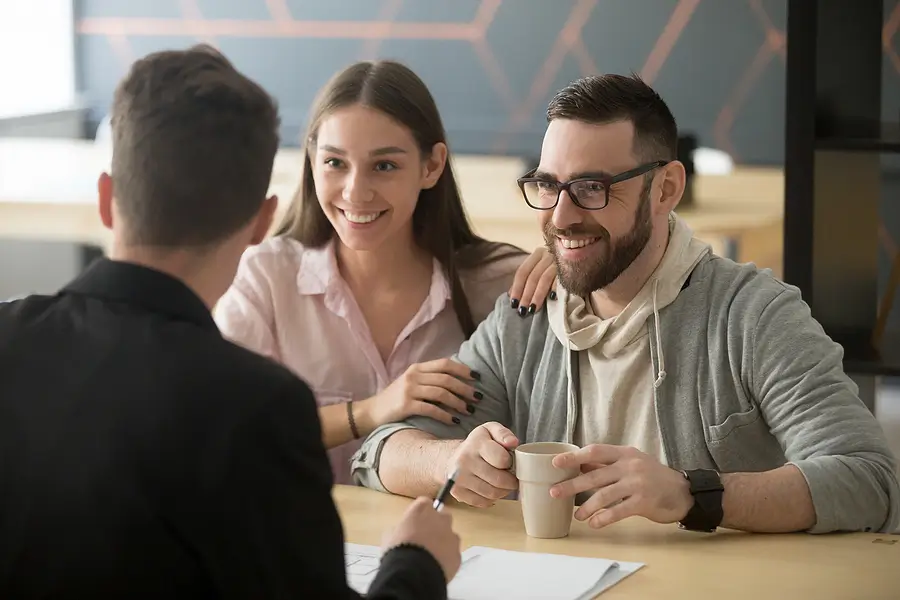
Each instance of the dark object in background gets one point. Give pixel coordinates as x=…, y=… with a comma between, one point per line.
x=41, y=266
x=686, y=146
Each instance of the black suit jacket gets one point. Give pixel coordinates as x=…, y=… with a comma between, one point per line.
x=144, y=456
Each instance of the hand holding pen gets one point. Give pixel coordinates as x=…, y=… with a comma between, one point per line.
x=425, y=525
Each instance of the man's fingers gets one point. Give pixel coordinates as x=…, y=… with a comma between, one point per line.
x=495, y=455
x=467, y=496
x=501, y=435
x=586, y=481
x=608, y=516
x=604, y=497
x=595, y=453
x=496, y=476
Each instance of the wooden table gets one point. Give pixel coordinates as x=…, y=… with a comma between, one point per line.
x=678, y=564
x=48, y=192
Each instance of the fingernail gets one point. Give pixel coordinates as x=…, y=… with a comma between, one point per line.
x=476, y=375
x=522, y=311
x=478, y=395
x=471, y=409
x=514, y=303
x=552, y=295
x=531, y=309
x=456, y=420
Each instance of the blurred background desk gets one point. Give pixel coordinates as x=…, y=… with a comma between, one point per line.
x=48, y=194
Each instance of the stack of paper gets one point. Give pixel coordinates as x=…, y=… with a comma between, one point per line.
x=489, y=573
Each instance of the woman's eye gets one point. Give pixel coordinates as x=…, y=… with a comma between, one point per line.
x=334, y=162
x=385, y=166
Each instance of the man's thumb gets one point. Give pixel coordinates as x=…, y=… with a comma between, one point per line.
x=502, y=435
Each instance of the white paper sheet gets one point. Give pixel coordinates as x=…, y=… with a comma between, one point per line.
x=489, y=573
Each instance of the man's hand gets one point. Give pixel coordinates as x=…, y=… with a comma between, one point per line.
x=483, y=461
x=627, y=483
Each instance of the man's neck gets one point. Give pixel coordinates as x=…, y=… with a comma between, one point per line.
x=202, y=274
x=396, y=265
x=612, y=300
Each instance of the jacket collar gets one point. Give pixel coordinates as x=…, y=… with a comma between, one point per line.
x=143, y=287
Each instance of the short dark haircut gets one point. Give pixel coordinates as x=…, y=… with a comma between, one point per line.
x=608, y=98
x=194, y=141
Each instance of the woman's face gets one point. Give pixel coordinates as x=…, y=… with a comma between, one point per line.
x=368, y=173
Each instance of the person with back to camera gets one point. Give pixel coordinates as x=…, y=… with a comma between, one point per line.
x=375, y=276
x=701, y=391
x=141, y=454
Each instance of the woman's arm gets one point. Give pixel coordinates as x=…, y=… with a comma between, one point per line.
x=439, y=389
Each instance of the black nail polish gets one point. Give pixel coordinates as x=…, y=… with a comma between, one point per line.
x=531, y=309
x=456, y=420
x=552, y=295
x=471, y=409
x=478, y=395
x=514, y=303
x=476, y=375
x=522, y=311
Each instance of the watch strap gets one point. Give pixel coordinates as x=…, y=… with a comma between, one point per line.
x=706, y=513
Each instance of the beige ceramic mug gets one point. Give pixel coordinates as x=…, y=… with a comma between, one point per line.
x=544, y=515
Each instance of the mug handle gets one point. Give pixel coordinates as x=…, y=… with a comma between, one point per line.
x=512, y=461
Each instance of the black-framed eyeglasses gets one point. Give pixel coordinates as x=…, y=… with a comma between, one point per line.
x=589, y=192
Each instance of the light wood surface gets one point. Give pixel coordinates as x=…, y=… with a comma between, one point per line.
x=678, y=564
x=48, y=191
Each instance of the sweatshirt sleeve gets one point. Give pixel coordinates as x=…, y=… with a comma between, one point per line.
x=813, y=409
x=483, y=354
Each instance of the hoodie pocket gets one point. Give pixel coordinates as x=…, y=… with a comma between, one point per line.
x=733, y=422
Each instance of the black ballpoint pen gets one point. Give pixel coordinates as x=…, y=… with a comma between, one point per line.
x=445, y=491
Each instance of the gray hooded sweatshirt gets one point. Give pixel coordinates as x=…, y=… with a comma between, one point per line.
x=743, y=379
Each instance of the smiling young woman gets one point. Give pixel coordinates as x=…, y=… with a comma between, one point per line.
x=375, y=277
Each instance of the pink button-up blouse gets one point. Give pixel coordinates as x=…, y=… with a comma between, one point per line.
x=290, y=303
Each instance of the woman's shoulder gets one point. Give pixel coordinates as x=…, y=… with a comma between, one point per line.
x=273, y=256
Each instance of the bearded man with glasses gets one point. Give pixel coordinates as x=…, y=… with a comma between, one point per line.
x=701, y=391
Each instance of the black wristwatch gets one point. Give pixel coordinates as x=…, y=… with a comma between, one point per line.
x=706, y=513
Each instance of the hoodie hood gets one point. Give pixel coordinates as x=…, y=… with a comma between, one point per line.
x=578, y=328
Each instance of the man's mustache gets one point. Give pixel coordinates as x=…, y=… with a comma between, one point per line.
x=551, y=232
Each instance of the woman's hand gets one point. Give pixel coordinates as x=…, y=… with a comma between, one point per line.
x=431, y=389
x=534, y=282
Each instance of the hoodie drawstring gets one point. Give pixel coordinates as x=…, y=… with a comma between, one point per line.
x=659, y=349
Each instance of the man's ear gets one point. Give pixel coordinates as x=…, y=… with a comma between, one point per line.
x=264, y=219
x=672, y=180
x=105, y=199
x=434, y=165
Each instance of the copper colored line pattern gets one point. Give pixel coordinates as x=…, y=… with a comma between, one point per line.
x=540, y=85
x=887, y=36
x=386, y=14
x=586, y=63
x=279, y=11
x=725, y=120
x=496, y=76
x=190, y=10
x=352, y=30
x=774, y=36
x=679, y=18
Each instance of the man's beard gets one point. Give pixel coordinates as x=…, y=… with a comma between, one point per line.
x=589, y=275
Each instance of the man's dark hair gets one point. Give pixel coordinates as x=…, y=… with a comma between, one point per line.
x=608, y=98
x=194, y=141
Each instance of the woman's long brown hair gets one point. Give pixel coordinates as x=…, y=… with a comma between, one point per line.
x=440, y=224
